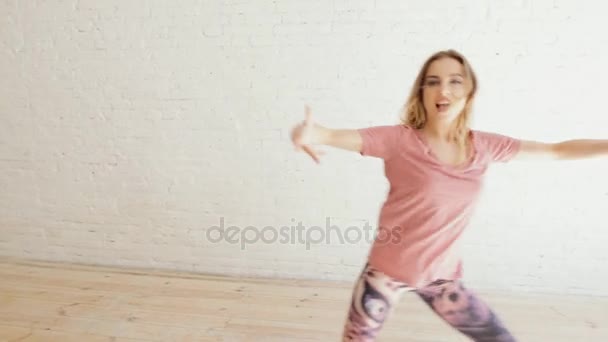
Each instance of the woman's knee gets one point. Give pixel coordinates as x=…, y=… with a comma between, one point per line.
x=465, y=311
x=374, y=297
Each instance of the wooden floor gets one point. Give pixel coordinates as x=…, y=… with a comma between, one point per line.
x=47, y=302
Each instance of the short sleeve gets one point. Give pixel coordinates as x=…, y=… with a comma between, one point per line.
x=380, y=141
x=498, y=147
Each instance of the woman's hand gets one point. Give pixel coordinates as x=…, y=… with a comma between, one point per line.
x=306, y=134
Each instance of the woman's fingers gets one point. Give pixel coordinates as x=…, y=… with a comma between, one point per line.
x=307, y=116
x=312, y=153
x=300, y=136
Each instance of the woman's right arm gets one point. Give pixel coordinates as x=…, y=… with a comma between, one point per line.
x=307, y=134
x=346, y=139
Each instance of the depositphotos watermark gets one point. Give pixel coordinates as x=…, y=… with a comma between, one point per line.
x=301, y=234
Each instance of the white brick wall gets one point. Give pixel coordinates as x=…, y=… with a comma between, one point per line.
x=127, y=129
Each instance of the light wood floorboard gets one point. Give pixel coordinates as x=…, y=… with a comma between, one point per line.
x=60, y=302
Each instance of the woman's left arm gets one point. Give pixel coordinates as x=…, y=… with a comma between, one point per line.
x=565, y=150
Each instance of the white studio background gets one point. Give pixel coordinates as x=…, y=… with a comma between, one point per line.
x=128, y=129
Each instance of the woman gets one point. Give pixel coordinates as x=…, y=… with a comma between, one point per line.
x=435, y=166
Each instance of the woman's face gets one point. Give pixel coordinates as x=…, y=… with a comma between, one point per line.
x=444, y=90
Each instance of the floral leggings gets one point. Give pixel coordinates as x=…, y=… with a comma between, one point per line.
x=375, y=295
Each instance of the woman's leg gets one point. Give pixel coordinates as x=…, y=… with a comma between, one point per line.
x=374, y=297
x=465, y=311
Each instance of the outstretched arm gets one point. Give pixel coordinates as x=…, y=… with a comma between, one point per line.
x=307, y=134
x=565, y=150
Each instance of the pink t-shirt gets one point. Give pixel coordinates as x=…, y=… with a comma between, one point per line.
x=429, y=202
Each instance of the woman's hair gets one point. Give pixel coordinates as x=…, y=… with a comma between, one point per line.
x=415, y=114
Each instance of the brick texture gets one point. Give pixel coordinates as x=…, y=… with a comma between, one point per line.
x=128, y=130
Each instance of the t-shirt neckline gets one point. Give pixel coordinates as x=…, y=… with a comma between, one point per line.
x=432, y=156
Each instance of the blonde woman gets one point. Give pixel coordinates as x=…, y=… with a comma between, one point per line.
x=435, y=166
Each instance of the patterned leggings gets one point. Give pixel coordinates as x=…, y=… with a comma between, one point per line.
x=375, y=295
